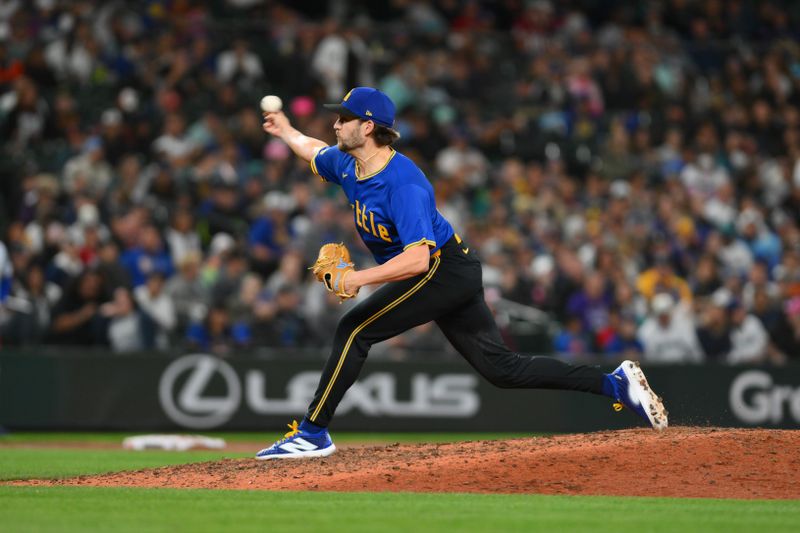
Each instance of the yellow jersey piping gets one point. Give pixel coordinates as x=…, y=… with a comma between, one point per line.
x=362, y=178
x=421, y=241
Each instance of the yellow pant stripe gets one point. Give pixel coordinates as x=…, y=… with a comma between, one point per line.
x=366, y=323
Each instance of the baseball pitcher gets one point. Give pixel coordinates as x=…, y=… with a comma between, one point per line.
x=425, y=271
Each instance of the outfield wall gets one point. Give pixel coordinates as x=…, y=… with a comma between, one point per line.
x=201, y=392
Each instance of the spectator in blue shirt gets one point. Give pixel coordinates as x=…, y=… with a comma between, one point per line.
x=150, y=255
x=217, y=334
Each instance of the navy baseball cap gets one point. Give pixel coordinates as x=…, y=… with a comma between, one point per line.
x=368, y=104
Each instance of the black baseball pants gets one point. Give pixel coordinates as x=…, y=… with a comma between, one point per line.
x=450, y=293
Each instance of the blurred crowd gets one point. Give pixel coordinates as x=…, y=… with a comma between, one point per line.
x=631, y=169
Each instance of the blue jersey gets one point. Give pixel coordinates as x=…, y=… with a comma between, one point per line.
x=394, y=208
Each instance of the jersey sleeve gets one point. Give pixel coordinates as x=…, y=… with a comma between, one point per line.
x=412, y=216
x=326, y=163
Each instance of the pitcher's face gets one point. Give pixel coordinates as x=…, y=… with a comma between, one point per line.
x=350, y=133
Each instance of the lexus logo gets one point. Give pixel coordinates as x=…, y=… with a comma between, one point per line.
x=188, y=406
x=187, y=397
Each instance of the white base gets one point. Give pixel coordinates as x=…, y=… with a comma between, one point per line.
x=324, y=452
x=640, y=390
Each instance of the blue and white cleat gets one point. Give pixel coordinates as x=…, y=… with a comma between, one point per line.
x=635, y=393
x=299, y=444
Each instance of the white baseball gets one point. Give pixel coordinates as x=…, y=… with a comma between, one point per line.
x=271, y=104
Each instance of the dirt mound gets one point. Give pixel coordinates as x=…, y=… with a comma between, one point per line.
x=683, y=461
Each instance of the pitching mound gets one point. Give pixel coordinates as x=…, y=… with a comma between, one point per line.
x=683, y=461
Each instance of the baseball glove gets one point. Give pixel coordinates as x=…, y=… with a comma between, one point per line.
x=332, y=266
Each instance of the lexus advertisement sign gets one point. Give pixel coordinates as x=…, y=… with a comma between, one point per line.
x=203, y=392
x=185, y=397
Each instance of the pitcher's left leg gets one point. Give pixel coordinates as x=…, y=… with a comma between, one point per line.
x=473, y=332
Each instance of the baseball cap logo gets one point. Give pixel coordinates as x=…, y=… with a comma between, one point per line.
x=368, y=113
x=347, y=95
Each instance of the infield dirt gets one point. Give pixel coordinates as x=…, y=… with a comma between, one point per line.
x=680, y=462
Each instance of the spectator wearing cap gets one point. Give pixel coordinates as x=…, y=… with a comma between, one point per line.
x=88, y=172
x=181, y=237
x=158, y=317
x=767, y=310
x=149, y=255
x=227, y=285
x=704, y=177
x=221, y=245
x=113, y=136
x=734, y=255
x=758, y=281
x=749, y=339
x=187, y=292
x=223, y=210
x=714, y=325
x=763, y=243
x=269, y=233
x=543, y=274
x=88, y=233
x=668, y=334
x=287, y=326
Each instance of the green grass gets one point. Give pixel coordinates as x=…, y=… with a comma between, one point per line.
x=26, y=463
x=94, y=509
x=101, y=509
x=33, y=462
